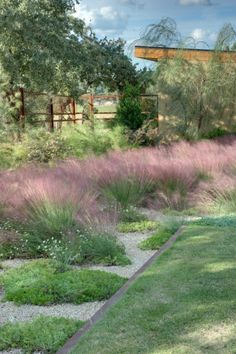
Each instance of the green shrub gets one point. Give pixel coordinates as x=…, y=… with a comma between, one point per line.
x=43, y=334
x=139, y=226
x=147, y=135
x=12, y=154
x=43, y=146
x=76, y=245
x=40, y=283
x=215, y=133
x=39, y=145
x=129, y=110
x=86, y=247
x=6, y=155
x=86, y=139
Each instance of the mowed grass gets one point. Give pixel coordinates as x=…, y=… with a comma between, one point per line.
x=184, y=303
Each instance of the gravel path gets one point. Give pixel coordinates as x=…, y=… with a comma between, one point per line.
x=11, y=312
x=137, y=256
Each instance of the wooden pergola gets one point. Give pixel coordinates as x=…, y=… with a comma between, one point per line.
x=203, y=55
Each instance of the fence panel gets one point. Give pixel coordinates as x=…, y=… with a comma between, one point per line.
x=54, y=111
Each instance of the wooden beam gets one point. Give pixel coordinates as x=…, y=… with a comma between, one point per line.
x=203, y=55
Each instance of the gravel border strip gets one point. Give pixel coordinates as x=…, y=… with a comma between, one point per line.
x=15, y=313
x=24, y=313
x=74, y=340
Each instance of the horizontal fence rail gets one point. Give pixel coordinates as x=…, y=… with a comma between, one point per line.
x=58, y=109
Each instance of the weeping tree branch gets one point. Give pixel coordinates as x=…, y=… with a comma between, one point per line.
x=199, y=93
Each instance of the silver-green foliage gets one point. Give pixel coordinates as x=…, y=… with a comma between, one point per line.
x=199, y=93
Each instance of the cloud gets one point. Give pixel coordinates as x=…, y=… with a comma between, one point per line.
x=198, y=34
x=195, y=2
x=85, y=14
x=129, y=2
x=104, y=19
x=136, y=3
x=107, y=18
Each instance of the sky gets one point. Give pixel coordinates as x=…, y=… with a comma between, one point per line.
x=201, y=19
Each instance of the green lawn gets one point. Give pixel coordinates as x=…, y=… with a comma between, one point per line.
x=184, y=303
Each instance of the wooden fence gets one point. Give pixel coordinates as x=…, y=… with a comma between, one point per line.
x=52, y=111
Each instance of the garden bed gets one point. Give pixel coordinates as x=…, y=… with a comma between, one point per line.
x=71, y=242
x=16, y=271
x=9, y=311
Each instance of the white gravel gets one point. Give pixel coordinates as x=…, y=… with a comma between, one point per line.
x=13, y=263
x=137, y=256
x=11, y=312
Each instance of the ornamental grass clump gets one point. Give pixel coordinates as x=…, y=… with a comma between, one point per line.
x=175, y=176
x=52, y=207
x=221, y=202
x=126, y=189
x=100, y=248
x=51, y=219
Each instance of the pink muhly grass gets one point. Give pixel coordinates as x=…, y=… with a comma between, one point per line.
x=178, y=175
x=208, y=192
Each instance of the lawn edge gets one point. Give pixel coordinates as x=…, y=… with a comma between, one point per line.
x=74, y=340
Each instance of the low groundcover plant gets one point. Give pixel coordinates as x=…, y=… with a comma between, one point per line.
x=43, y=334
x=164, y=232
x=138, y=226
x=40, y=282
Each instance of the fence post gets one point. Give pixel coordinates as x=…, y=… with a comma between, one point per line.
x=157, y=103
x=51, y=115
x=74, y=110
x=91, y=105
x=91, y=110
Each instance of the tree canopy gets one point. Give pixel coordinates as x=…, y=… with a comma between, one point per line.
x=44, y=46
